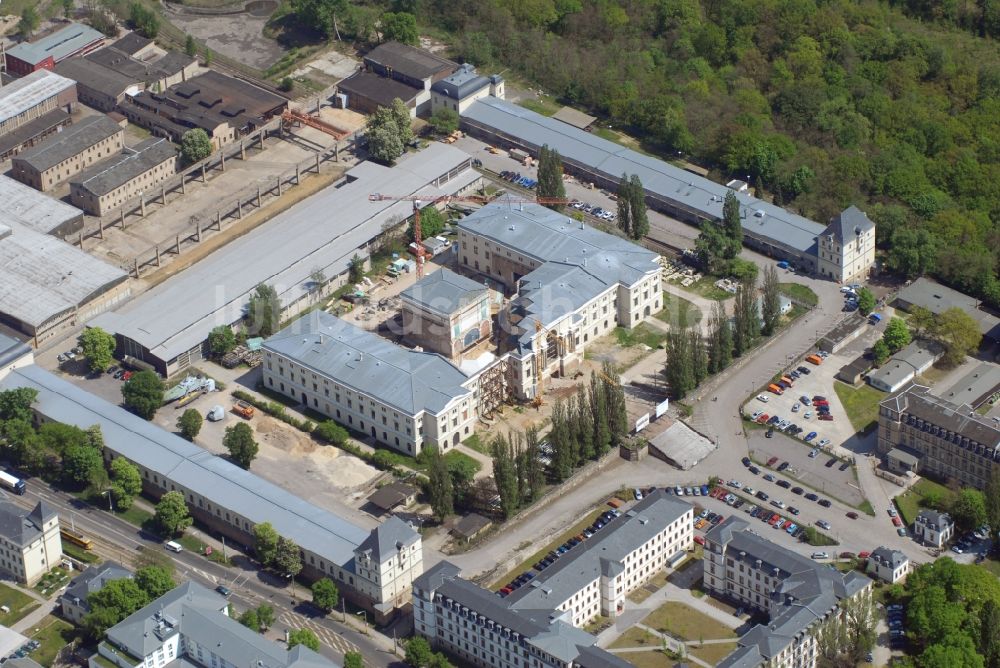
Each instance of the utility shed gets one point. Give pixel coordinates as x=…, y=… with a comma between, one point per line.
x=574, y=117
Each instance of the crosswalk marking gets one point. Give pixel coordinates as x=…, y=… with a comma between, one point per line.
x=325, y=635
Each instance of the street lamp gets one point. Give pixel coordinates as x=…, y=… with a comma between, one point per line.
x=111, y=508
x=365, y=617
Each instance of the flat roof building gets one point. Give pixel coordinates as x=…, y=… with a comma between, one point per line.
x=976, y=387
x=373, y=568
x=26, y=207
x=190, y=626
x=33, y=96
x=938, y=298
x=169, y=324
x=446, y=313
x=69, y=152
x=418, y=398
x=111, y=183
x=670, y=189
x=74, y=39
x=224, y=107
x=905, y=365
x=948, y=440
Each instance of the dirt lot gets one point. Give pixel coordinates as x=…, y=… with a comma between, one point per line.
x=238, y=36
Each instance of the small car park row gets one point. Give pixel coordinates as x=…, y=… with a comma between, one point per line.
x=517, y=178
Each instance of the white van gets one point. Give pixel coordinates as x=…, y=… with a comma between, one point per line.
x=172, y=546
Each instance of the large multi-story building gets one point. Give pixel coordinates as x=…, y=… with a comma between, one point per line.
x=30, y=545
x=475, y=625
x=920, y=432
x=69, y=152
x=796, y=593
x=571, y=284
x=403, y=398
x=446, y=312
x=190, y=626
x=373, y=568
x=108, y=185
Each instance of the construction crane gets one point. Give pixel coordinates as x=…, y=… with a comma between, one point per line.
x=290, y=116
x=418, y=248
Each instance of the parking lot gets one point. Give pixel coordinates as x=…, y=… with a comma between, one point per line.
x=813, y=472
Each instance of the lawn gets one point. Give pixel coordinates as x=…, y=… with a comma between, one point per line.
x=136, y=516
x=19, y=603
x=992, y=565
x=636, y=637
x=705, y=286
x=476, y=444
x=53, y=636
x=654, y=659
x=52, y=581
x=526, y=565
x=911, y=501
x=640, y=334
x=684, y=622
x=543, y=105
x=678, y=311
x=194, y=544
x=861, y=404
x=712, y=654
x=80, y=554
x=799, y=293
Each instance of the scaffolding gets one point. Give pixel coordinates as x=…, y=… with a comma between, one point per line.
x=495, y=387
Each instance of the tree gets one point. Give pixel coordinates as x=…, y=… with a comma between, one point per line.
x=67, y=7
x=880, y=352
x=866, y=301
x=355, y=269
x=462, y=471
x=29, y=22
x=439, y=486
x=250, y=620
x=195, y=146
x=400, y=27
x=126, y=482
x=912, y=252
x=325, y=594
x=637, y=206
x=444, y=121
x=389, y=130
x=80, y=464
x=432, y=223
x=992, y=497
x=189, y=423
x=265, y=543
x=989, y=633
x=353, y=660
x=418, y=652
x=550, y=176
x=287, y=84
x=171, y=514
x=505, y=472
x=897, y=334
x=303, y=637
x=145, y=21
x=921, y=320
x=221, y=340
x=746, y=318
x=969, y=509
x=208, y=57
x=112, y=603
x=265, y=614
x=331, y=432
x=240, y=443
x=439, y=660
x=155, y=581
x=770, y=301
x=958, y=332
x=264, y=311
x=190, y=47
x=98, y=347
x=288, y=558
x=625, y=206
x=16, y=404
x=732, y=228
x=680, y=363
x=143, y=394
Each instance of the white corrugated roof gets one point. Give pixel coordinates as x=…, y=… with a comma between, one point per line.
x=30, y=91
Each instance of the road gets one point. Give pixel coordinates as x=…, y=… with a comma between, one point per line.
x=117, y=540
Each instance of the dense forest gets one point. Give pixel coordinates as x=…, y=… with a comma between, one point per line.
x=894, y=106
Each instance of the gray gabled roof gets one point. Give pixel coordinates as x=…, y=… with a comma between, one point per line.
x=408, y=60
x=444, y=292
x=586, y=562
x=389, y=538
x=30, y=91
x=891, y=558
x=190, y=467
x=69, y=143
x=410, y=381
x=659, y=178
x=113, y=173
x=60, y=44
x=92, y=580
x=20, y=526
x=848, y=224
x=934, y=519
x=460, y=84
x=33, y=210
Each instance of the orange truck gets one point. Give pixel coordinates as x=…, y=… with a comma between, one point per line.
x=243, y=409
x=815, y=359
x=775, y=389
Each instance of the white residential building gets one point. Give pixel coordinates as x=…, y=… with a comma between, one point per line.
x=888, y=565
x=847, y=247
x=933, y=528
x=796, y=593
x=190, y=626
x=571, y=284
x=30, y=545
x=400, y=397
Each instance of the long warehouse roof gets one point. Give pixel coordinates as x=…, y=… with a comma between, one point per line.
x=189, y=466
x=32, y=209
x=322, y=232
x=30, y=91
x=658, y=177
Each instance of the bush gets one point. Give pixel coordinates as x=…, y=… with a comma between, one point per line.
x=287, y=84
x=331, y=432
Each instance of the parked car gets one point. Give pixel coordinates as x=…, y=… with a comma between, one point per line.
x=897, y=522
x=823, y=443
x=804, y=371
x=826, y=417
x=784, y=484
x=793, y=510
x=763, y=398
x=796, y=407
x=769, y=477
x=824, y=502
x=813, y=453
x=845, y=466
x=811, y=496
x=820, y=555
x=797, y=490
x=810, y=436
x=746, y=461
x=823, y=524
x=772, y=461
x=754, y=470
x=853, y=515
x=782, y=466
x=831, y=462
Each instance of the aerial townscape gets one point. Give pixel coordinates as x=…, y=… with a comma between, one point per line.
x=481, y=334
